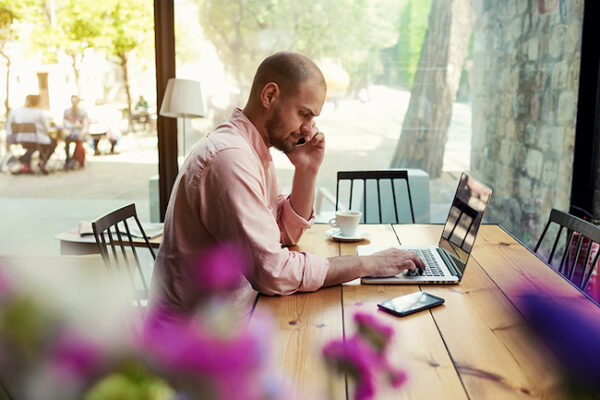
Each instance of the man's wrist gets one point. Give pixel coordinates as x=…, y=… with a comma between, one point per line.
x=363, y=266
x=306, y=170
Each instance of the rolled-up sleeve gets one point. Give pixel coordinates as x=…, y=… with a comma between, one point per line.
x=291, y=225
x=236, y=208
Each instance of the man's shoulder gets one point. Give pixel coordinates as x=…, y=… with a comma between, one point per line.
x=227, y=136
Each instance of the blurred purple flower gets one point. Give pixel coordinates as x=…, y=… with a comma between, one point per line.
x=396, y=376
x=232, y=364
x=75, y=356
x=363, y=356
x=220, y=268
x=373, y=331
x=357, y=359
x=571, y=328
x=5, y=284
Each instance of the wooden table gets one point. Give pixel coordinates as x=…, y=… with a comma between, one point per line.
x=477, y=345
x=72, y=243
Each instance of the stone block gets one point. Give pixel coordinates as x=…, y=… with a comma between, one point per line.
x=557, y=41
x=534, y=161
x=558, y=140
x=506, y=152
x=549, y=174
x=518, y=105
x=534, y=107
x=516, y=28
x=509, y=130
x=560, y=76
x=519, y=157
x=566, y=107
x=573, y=80
x=524, y=186
x=533, y=49
x=531, y=135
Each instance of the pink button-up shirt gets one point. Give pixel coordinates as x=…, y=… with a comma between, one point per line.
x=227, y=191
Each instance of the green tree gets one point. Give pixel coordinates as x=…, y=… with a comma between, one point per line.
x=10, y=12
x=70, y=27
x=245, y=31
x=411, y=35
x=128, y=29
x=425, y=126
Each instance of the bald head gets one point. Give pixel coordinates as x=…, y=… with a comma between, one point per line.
x=288, y=70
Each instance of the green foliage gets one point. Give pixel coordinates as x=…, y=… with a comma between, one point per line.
x=350, y=32
x=10, y=12
x=132, y=381
x=414, y=19
x=68, y=26
x=127, y=27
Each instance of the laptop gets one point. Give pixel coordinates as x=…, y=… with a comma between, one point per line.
x=446, y=262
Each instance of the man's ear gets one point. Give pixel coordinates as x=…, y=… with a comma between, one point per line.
x=269, y=94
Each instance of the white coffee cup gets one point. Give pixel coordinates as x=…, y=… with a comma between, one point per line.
x=347, y=221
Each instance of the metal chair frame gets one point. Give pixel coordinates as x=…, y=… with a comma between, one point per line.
x=379, y=175
x=105, y=228
x=584, y=229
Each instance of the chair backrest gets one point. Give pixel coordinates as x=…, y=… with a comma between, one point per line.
x=374, y=178
x=112, y=231
x=27, y=127
x=579, y=235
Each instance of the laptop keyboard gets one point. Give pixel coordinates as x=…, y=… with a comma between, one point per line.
x=432, y=268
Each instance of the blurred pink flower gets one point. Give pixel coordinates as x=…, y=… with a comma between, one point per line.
x=220, y=268
x=373, y=331
x=5, y=285
x=570, y=325
x=357, y=359
x=363, y=356
x=75, y=356
x=232, y=364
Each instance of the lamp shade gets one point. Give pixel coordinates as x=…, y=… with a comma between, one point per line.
x=183, y=98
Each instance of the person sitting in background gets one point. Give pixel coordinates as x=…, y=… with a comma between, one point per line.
x=28, y=126
x=75, y=124
x=142, y=105
x=140, y=112
x=104, y=122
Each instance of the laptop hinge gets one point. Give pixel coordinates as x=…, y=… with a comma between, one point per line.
x=449, y=261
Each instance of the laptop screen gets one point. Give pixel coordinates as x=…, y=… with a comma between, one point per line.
x=464, y=219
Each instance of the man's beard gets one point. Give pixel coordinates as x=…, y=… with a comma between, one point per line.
x=273, y=125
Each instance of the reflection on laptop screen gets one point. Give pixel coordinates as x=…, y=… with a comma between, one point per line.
x=464, y=219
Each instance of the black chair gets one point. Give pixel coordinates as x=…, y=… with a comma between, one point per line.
x=112, y=230
x=375, y=177
x=570, y=265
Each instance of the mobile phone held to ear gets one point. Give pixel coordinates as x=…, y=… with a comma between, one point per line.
x=411, y=303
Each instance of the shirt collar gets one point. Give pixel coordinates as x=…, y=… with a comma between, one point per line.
x=251, y=134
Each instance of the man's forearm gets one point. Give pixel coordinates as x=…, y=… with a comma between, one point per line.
x=344, y=269
x=303, y=191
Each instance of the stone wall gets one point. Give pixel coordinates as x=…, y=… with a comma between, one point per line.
x=525, y=79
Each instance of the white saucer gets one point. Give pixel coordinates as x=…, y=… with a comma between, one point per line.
x=335, y=234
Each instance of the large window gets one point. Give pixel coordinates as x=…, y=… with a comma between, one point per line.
x=103, y=52
x=444, y=86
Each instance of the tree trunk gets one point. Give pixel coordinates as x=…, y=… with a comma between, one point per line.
x=6, y=105
x=123, y=64
x=76, y=73
x=425, y=126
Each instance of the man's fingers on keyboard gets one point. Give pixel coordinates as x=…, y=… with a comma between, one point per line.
x=409, y=265
x=418, y=262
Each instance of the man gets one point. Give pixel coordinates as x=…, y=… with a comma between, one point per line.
x=75, y=123
x=227, y=191
x=29, y=127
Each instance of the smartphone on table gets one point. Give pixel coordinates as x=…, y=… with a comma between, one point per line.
x=410, y=303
